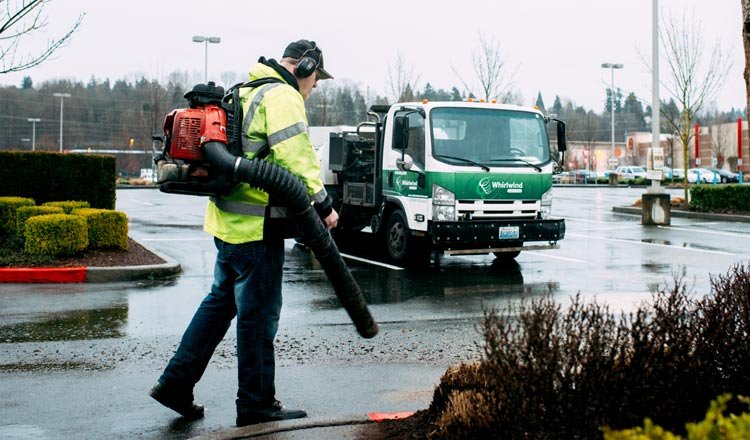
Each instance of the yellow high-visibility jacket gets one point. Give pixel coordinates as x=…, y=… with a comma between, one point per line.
x=274, y=115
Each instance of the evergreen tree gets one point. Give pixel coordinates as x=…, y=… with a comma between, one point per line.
x=557, y=106
x=632, y=114
x=540, y=102
x=428, y=93
x=456, y=95
x=26, y=84
x=618, y=101
x=345, y=105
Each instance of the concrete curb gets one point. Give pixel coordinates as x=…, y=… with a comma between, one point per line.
x=343, y=424
x=167, y=269
x=637, y=210
x=82, y=274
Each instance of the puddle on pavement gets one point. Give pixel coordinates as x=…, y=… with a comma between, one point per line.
x=69, y=326
x=682, y=245
x=448, y=277
x=22, y=432
x=658, y=268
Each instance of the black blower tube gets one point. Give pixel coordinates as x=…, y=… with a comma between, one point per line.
x=292, y=193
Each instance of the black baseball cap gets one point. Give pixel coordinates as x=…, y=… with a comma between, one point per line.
x=301, y=48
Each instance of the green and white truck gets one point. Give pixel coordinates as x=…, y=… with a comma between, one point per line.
x=447, y=177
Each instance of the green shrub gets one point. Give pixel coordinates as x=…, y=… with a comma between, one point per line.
x=107, y=228
x=68, y=205
x=716, y=425
x=8, y=207
x=55, y=234
x=720, y=198
x=549, y=372
x=47, y=176
x=25, y=212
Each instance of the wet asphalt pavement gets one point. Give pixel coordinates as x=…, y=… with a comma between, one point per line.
x=77, y=360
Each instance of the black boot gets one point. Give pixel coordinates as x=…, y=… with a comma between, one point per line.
x=274, y=413
x=177, y=399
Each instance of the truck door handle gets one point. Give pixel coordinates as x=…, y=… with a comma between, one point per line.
x=390, y=179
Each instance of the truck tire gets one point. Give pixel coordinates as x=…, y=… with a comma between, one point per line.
x=400, y=245
x=397, y=237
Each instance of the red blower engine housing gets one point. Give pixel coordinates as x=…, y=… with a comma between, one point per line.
x=189, y=128
x=182, y=168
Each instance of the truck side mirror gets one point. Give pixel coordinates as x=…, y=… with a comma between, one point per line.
x=562, y=143
x=400, y=133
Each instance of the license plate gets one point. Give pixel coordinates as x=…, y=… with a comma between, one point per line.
x=508, y=232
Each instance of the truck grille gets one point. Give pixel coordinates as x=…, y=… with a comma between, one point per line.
x=490, y=209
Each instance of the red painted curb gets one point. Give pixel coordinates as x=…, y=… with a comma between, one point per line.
x=380, y=416
x=43, y=275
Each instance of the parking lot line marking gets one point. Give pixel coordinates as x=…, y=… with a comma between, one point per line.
x=555, y=257
x=706, y=231
x=374, y=263
x=143, y=203
x=588, y=220
x=622, y=240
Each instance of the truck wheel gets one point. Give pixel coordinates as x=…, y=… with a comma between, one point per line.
x=506, y=256
x=397, y=239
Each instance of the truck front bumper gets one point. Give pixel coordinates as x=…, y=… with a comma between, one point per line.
x=491, y=235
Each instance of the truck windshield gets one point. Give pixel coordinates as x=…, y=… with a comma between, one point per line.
x=488, y=136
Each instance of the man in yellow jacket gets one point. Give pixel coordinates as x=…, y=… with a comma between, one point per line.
x=249, y=234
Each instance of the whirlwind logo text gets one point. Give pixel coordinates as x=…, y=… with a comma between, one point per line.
x=402, y=183
x=487, y=185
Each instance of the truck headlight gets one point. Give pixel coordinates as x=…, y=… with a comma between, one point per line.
x=443, y=204
x=547, y=204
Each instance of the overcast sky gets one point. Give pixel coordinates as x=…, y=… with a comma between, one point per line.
x=556, y=45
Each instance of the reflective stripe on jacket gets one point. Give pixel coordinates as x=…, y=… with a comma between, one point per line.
x=274, y=115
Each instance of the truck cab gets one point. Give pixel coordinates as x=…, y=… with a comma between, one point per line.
x=449, y=177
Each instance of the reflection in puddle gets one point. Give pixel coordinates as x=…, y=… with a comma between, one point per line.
x=452, y=278
x=153, y=284
x=682, y=245
x=69, y=326
x=658, y=268
x=382, y=286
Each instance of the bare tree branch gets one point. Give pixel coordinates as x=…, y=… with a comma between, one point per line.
x=694, y=79
x=494, y=78
x=20, y=19
x=401, y=80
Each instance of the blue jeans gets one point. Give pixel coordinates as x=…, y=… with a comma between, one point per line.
x=247, y=284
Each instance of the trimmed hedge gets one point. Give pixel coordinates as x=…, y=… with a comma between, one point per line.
x=107, y=228
x=68, y=205
x=8, y=207
x=26, y=212
x=718, y=424
x=45, y=176
x=55, y=234
x=720, y=198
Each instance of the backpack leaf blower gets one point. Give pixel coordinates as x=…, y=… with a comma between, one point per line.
x=204, y=160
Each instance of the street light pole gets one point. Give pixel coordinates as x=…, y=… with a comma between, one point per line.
x=206, y=40
x=33, y=131
x=612, y=67
x=62, y=97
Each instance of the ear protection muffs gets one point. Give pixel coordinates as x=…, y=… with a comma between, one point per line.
x=306, y=65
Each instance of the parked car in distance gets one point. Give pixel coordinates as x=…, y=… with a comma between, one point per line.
x=725, y=176
x=701, y=175
x=574, y=176
x=584, y=176
x=630, y=172
x=673, y=173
